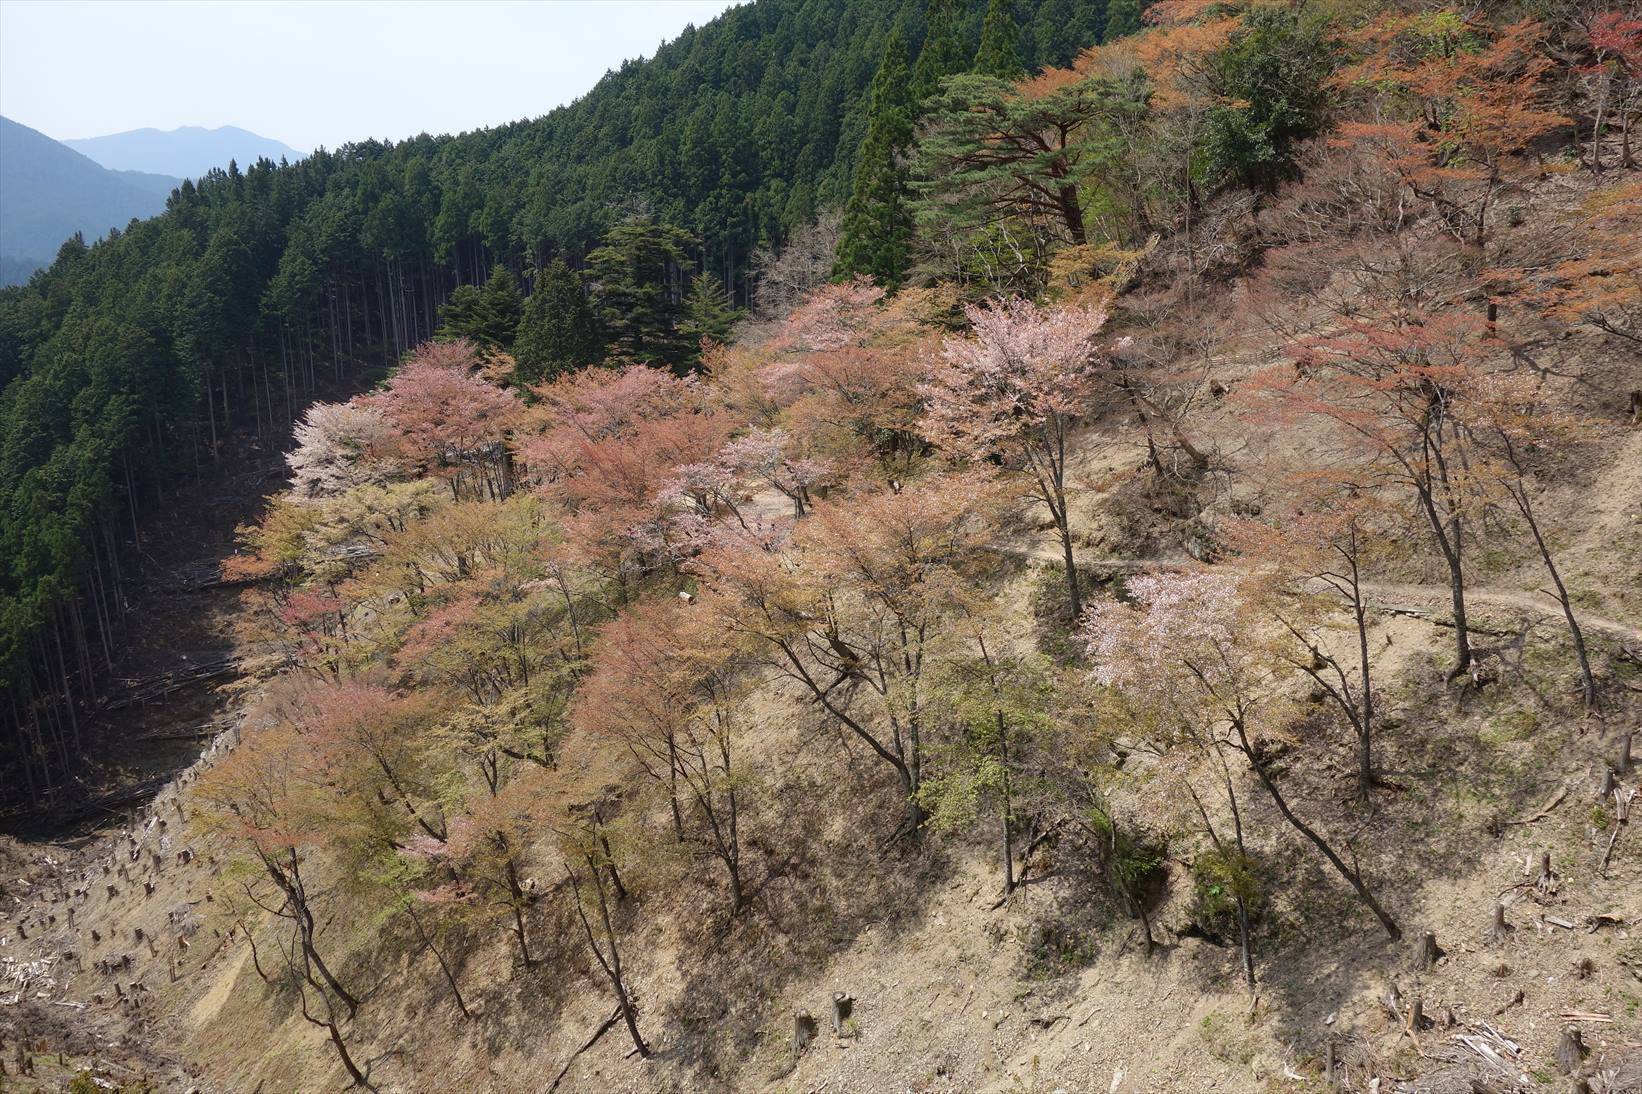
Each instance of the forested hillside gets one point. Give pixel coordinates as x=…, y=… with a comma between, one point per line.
x=126, y=364
x=1137, y=586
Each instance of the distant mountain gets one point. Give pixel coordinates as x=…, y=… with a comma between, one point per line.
x=49, y=192
x=188, y=152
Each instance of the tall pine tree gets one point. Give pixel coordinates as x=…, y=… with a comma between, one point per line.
x=876, y=235
x=1000, y=53
x=708, y=311
x=1122, y=17
x=558, y=332
x=489, y=315
x=943, y=53
x=638, y=285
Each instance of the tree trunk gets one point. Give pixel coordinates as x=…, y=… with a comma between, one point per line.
x=1351, y=876
x=842, y=1005
x=444, y=967
x=1519, y=494
x=1427, y=952
x=803, y=1032
x=610, y=964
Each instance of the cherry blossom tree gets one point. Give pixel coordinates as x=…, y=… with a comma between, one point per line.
x=1332, y=532
x=1511, y=423
x=270, y=800
x=767, y=457
x=1012, y=391
x=1190, y=653
x=665, y=681
x=1457, y=104
x=1390, y=382
x=852, y=609
x=857, y=406
x=368, y=735
x=340, y=446
x=450, y=422
x=832, y=317
x=606, y=449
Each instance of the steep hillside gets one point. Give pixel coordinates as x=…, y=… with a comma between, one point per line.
x=189, y=151
x=1187, y=637
x=123, y=367
x=49, y=192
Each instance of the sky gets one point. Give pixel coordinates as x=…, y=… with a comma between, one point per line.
x=313, y=73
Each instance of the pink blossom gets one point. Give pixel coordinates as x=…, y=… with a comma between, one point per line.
x=1022, y=368
x=1183, y=634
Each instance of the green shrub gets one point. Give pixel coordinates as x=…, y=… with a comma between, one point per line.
x=1270, y=79
x=1219, y=878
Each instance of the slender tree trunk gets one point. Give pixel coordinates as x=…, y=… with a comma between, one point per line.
x=1519, y=493
x=1351, y=876
x=611, y=964
x=1008, y=807
x=444, y=967
x=1365, y=705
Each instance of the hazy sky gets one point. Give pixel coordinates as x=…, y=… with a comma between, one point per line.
x=313, y=73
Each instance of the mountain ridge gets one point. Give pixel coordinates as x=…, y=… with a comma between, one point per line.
x=187, y=151
x=48, y=192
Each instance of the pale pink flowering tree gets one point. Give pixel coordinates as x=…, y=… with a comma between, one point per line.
x=706, y=488
x=1012, y=391
x=340, y=446
x=1191, y=659
x=767, y=456
x=832, y=317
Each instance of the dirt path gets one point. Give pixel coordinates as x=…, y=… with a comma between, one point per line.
x=1526, y=601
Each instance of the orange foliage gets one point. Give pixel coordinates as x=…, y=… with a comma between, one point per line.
x=1458, y=103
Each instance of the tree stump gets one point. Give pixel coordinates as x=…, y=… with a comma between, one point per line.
x=1416, y=1014
x=1500, y=929
x=1608, y=784
x=1392, y=1001
x=1623, y=766
x=842, y=1005
x=1570, y=1051
x=1426, y=951
x=803, y=1032
x=1328, y=1064
x=1547, y=879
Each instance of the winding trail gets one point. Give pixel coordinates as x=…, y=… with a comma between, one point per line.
x=1525, y=601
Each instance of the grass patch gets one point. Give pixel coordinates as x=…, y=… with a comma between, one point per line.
x=1225, y=1042
x=1509, y=727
